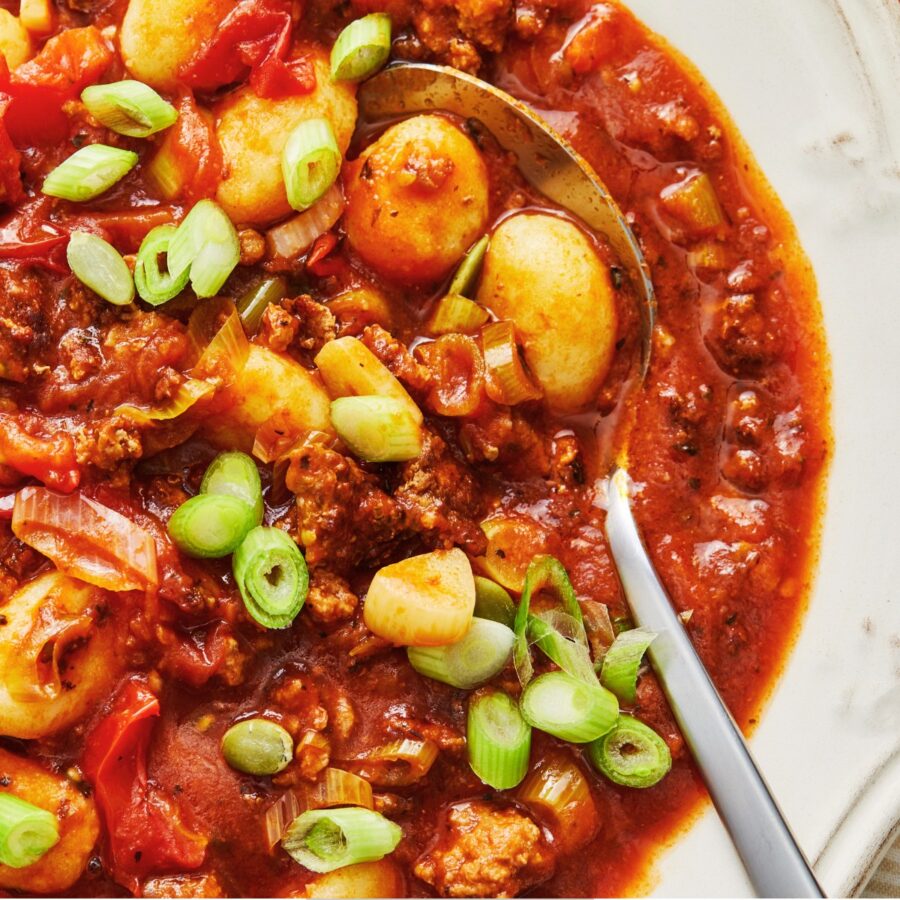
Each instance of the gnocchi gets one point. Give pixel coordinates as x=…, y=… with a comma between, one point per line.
x=253, y=130
x=79, y=826
x=158, y=37
x=15, y=42
x=542, y=273
x=417, y=199
x=59, y=653
x=270, y=384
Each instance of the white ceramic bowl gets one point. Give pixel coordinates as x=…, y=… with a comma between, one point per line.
x=814, y=86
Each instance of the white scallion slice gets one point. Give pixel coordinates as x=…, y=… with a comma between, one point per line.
x=569, y=708
x=207, y=245
x=100, y=266
x=129, y=107
x=477, y=658
x=377, y=429
x=89, y=172
x=362, y=48
x=327, y=839
x=27, y=832
x=310, y=162
x=631, y=754
x=498, y=739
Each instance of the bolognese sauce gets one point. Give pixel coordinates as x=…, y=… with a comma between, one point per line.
x=297, y=428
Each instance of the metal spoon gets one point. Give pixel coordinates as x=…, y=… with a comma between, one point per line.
x=546, y=160
x=774, y=862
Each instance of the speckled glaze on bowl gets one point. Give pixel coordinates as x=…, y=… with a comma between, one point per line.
x=814, y=86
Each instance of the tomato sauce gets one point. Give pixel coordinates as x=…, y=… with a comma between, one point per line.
x=727, y=441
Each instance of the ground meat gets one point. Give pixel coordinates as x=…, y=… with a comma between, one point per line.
x=414, y=376
x=182, y=886
x=342, y=517
x=278, y=328
x=316, y=323
x=486, y=850
x=742, y=336
x=330, y=599
x=440, y=495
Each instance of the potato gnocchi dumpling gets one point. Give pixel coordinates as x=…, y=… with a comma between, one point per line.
x=269, y=385
x=59, y=867
x=542, y=273
x=417, y=199
x=158, y=37
x=253, y=130
x=59, y=654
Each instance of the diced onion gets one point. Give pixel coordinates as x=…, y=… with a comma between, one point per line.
x=280, y=815
x=557, y=790
x=219, y=341
x=27, y=832
x=362, y=48
x=189, y=393
x=340, y=788
x=98, y=264
x=397, y=764
x=377, y=429
x=272, y=577
x=498, y=739
x=89, y=172
x=632, y=754
x=324, y=840
x=622, y=662
x=295, y=236
x=507, y=380
x=129, y=107
x=153, y=284
x=459, y=386
x=512, y=545
x=205, y=244
x=36, y=16
x=562, y=639
x=477, y=658
x=310, y=162
x=694, y=202
x=467, y=273
x=86, y=539
x=569, y=708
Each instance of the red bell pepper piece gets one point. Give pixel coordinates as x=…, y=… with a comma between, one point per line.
x=144, y=830
x=254, y=36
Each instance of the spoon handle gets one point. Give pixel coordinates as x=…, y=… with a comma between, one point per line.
x=771, y=856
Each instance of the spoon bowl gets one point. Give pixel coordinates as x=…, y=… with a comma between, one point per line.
x=545, y=159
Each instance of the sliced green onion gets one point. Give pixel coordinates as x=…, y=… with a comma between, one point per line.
x=493, y=602
x=155, y=285
x=207, y=245
x=464, y=279
x=253, y=303
x=310, y=162
x=129, y=107
x=257, y=747
x=544, y=573
x=362, y=48
x=377, y=429
x=631, y=754
x=98, y=264
x=211, y=525
x=477, y=658
x=89, y=172
x=27, y=832
x=272, y=577
x=564, y=641
x=498, y=740
x=569, y=708
x=623, y=659
x=327, y=839
x=236, y=475
x=455, y=314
